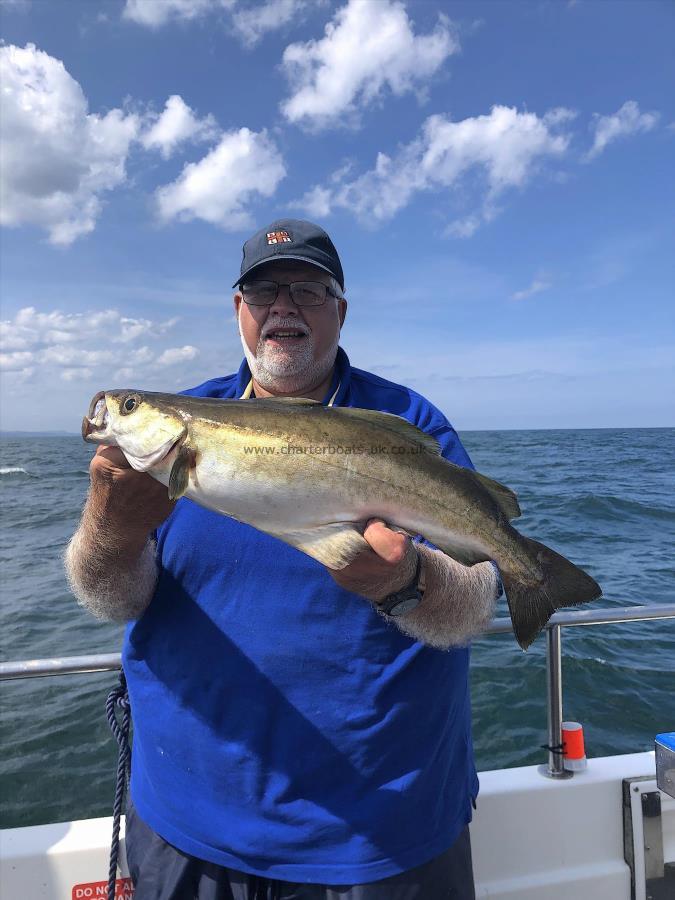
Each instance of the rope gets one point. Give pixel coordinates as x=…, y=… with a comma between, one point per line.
x=554, y=748
x=118, y=697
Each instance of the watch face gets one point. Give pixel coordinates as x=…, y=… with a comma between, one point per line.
x=404, y=606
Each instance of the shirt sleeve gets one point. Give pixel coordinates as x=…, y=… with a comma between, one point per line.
x=452, y=448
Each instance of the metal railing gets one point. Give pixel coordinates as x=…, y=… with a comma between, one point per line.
x=107, y=662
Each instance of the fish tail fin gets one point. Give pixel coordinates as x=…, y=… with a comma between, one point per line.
x=532, y=605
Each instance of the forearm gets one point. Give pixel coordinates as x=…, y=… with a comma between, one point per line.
x=458, y=601
x=111, y=570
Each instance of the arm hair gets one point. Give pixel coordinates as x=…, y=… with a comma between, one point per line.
x=112, y=584
x=458, y=601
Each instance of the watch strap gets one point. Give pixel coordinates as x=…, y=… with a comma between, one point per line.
x=406, y=599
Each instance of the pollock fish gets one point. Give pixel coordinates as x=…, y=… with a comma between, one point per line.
x=312, y=476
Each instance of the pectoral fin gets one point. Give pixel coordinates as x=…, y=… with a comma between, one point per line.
x=334, y=545
x=180, y=472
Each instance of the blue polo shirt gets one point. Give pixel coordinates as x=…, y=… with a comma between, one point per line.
x=281, y=726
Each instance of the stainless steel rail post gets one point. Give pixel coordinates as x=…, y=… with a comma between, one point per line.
x=555, y=768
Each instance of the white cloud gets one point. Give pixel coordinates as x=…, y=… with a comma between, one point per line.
x=75, y=356
x=57, y=159
x=537, y=286
x=253, y=22
x=469, y=225
x=16, y=361
x=140, y=356
x=130, y=329
x=78, y=345
x=464, y=228
x=76, y=374
x=369, y=47
x=625, y=121
x=506, y=147
x=177, y=354
x=215, y=189
x=31, y=329
x=316, y=202
x=175, y=125
x=248, y=22
x=154, y=13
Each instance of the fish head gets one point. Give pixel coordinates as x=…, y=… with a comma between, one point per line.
x=145, y=426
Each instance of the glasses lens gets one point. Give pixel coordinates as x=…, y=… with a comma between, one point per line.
x=259, y=293
x=308, y=293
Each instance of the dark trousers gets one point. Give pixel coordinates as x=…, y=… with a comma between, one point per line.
x=161, y=872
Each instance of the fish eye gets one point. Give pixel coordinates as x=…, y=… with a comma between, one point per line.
x=130, y=404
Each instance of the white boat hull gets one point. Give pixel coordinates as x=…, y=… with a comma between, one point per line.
x=533, y=838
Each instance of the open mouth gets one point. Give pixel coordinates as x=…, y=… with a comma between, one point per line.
x=285, y=334
x=97, y=417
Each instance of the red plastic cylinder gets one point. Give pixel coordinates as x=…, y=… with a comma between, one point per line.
x=573, y=740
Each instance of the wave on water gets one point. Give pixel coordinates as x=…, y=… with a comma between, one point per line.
x=15, y=470
x=609, y=507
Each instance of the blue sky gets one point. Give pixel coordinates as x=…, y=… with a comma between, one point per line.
x=498, y=179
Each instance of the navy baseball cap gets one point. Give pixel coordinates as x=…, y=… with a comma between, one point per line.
x=291, y=239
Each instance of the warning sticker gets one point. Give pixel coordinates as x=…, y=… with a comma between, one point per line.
x=124, y=890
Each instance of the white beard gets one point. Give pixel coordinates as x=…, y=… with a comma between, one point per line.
x=291, y=371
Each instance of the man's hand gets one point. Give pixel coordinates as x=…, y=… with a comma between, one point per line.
x=387, y=567
x=123, y=500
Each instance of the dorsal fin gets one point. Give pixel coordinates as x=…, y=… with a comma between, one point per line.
x=396, y=425
x=502, y=495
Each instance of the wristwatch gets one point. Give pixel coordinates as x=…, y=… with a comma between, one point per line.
x=408, y=598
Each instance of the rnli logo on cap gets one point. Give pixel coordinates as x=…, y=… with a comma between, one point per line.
x=278, y=237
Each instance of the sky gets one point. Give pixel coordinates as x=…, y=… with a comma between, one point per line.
x=497, y=178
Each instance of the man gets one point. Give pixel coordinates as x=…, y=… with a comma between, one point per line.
x=291, y=738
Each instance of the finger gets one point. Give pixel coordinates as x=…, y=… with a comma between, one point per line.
x=113, y=455
x=391, y=546
x=395, y=528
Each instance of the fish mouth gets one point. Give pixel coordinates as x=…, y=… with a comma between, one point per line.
x=96, y=423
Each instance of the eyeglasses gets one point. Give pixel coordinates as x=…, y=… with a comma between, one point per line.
x=302, y=293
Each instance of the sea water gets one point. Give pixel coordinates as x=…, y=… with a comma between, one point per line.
x=605, y=498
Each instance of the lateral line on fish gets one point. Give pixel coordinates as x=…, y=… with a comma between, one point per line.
x=328, y=461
